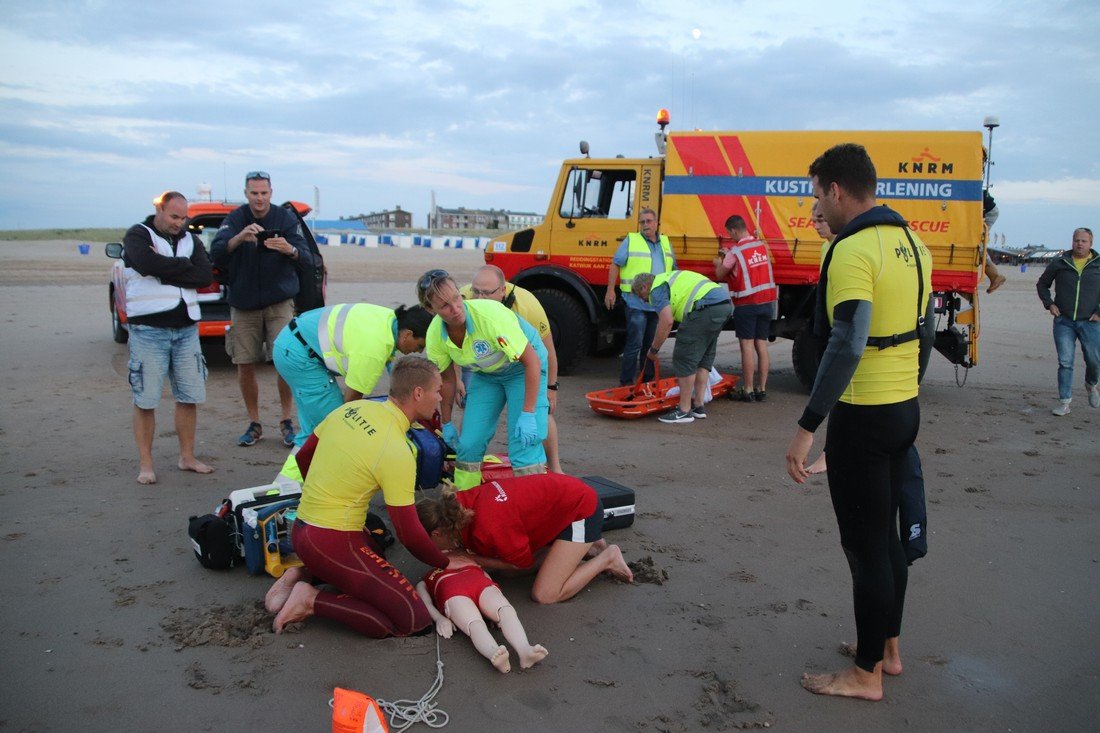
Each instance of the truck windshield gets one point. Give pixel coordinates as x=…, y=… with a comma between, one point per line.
x=599, y=194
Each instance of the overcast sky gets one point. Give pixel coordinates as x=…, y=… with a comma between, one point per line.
x=104, y=104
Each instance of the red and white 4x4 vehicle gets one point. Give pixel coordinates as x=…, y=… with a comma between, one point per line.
x=203, y=219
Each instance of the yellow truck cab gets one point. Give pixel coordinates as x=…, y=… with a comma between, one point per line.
x=699, y=179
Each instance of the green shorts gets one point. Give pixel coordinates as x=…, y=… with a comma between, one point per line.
x=697, y=338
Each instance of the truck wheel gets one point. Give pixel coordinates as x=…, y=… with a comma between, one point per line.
x=805, y=356
x=121, y=335
x=569, y=324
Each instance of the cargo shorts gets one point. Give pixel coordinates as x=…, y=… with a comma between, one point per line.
x=173, y=353
x=252, y=329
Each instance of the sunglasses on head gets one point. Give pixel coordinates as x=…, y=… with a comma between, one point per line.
x=258, y=176
x=430, y=277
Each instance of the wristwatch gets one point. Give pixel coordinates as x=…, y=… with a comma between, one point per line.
x=553, y=386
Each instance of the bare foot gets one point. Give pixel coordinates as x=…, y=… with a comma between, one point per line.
x=532, y=656
x=995, y=283
x=279, y=591
x=817, y=466
x=500, y=659
x=853, y=682
x=891, y=661
x=617, y=565
x=298, y=607
x=194, y=464
x=597, y=547
x=891, y=657
x=147, y=476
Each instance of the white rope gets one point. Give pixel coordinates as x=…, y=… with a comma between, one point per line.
x=408, y=712
x=417, y=711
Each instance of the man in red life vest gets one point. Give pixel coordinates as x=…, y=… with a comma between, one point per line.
x=748, y=267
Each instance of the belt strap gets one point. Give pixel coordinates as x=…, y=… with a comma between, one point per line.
x=293, y=326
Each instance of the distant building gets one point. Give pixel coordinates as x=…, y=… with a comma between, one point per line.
x=463, y=218
x=396, y=219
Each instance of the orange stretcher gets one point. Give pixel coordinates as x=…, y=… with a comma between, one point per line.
x=645, y=398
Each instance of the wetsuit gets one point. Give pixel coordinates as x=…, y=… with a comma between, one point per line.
x=356, y=452
x=871, y=293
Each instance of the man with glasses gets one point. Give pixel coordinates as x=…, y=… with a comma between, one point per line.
x=165, y=264
x=643, y=251
x=489, y=284
x=262, y=250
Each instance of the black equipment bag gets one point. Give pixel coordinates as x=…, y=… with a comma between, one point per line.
x=213, y=542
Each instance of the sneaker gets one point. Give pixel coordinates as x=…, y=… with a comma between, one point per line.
x=760, y=396
x=745, y=396
x=699, y=413
x=255, y=432
x=1061, y=409
x=286, y=427
x=675, y=416
x=1094, y=394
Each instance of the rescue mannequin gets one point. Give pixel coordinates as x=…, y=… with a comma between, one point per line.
x=468, y=596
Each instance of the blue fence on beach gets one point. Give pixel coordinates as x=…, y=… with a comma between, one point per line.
x=403, y=241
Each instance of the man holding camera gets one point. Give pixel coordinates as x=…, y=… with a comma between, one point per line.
x=260, y=249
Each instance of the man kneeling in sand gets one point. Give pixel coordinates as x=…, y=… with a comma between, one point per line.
x=359, y=450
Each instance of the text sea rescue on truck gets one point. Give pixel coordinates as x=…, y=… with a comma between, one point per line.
x=934, y=179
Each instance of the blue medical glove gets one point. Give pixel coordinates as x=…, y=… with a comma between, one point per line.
x=527, y=430
x=450, y=435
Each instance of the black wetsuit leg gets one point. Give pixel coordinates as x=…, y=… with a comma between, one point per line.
x=867, y=447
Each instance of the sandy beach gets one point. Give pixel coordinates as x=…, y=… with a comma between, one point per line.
x=109, y=622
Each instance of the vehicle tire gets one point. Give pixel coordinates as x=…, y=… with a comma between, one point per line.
x=806, y=356
x=569, y=324
x=121, y=335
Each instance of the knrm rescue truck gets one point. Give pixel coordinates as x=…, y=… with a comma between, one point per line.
x=698, y=179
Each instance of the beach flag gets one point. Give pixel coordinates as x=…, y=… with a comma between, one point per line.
x=354, y=712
